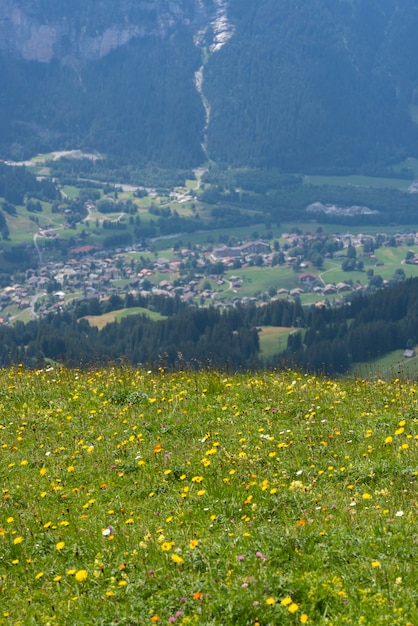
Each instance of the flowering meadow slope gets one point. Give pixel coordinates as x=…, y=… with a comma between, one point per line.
x=130, y=497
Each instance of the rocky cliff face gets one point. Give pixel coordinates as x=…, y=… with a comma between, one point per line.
x=43, y=30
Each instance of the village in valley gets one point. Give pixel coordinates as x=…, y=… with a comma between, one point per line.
x=102, y=243
x=208, y=274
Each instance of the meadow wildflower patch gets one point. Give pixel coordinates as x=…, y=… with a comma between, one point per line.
x=133, y=497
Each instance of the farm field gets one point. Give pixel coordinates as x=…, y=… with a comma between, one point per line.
x=101, y=320
x=137, y=497
x=258, y=279
x=359, y=181
x=273, y=339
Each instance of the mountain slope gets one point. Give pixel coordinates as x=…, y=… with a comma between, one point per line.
x=299, y=85
x=314, y=83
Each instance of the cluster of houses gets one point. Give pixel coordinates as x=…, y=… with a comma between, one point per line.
x=94, y=273
x=313, y=284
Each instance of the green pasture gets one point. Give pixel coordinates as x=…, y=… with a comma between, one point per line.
x=70, y=192
x=273, y=339
x=21, y=228
x=312, y=226
x=211, y=237
x=259, y=279
x=357, y=181
x=101, y=320
x=392, y=365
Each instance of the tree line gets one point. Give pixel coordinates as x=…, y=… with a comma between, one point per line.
x=367, y=327
x=326, y=339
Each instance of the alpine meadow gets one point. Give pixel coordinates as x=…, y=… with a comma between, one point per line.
x=208, y=312
x=134, y=497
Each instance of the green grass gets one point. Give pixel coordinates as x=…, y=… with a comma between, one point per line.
x=261, y=278
x=212, y=236
x=389, y=366
x=101, y=320
x=273, y=339
x=23, y=315
x=70, y=191
x=311, y=227
x=358, y=181
x=133, y=497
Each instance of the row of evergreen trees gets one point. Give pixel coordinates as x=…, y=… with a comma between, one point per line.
x=187, y=335
x=326, y=339
x=368, y=327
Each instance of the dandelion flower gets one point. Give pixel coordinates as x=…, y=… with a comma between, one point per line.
x=177, y=559
x=81, y=575
x=270, y=601
x=292, y=608
x=304, y=618
x=376, y=564
x=60, y=545
x=17, y=540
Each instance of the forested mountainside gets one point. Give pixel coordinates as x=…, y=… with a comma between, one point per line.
x=311, y=84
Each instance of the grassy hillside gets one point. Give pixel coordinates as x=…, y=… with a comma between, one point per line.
x=101, y=320
x=133, y=497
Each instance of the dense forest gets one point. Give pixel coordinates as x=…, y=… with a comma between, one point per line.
x=188, y=337
x=16, y=182
x=367, y=327
x=314, y=84
x=134, y=110
x=302, y=86
x=327, y=339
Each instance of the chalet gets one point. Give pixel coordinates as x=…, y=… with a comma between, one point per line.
x=308, y=279
x=343, y=287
